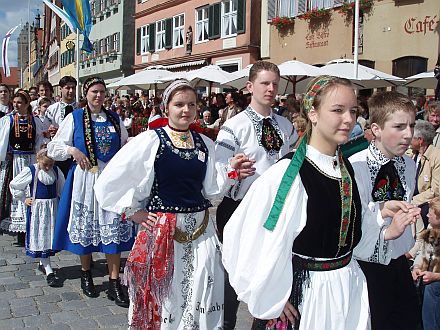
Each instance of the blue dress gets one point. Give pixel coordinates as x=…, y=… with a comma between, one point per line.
x=82, y=226
x=39, y=218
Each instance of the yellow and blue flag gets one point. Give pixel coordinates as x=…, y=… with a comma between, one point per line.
x=79, y=12
x=77, y=15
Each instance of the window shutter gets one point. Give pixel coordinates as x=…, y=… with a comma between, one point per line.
x=152, y=41
x=214, y=14
x=241, y=16
x=138, y=41
x=168, y=33
x=271, y=9
x=118, y=41
x=339, y=2
x=302, y=6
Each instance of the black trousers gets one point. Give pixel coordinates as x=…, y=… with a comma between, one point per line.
x=224, y=212
x=392, y=295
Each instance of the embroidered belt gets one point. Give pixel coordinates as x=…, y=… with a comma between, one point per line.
x=322, y=265
x=182, y=237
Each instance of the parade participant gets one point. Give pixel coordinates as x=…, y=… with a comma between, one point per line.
x=264, y=137
x=42, y=121
x=162, y=179
x=91, y=136
x=44, y=88
x=5, y=102
x=308, y=205
x=383, y=173
x=44, y=182
x=18, y=137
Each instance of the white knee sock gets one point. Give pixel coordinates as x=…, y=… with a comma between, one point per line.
x=46, y=264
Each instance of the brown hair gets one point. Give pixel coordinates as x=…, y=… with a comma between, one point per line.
x=300, y=124
x=383, y=104
x=435, y=205
x=42, y=154
x=178, y=89
x=262, y=66
x=433, y=106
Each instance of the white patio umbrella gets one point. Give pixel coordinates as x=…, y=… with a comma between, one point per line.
x=422, y=80
x=145, y=79
x=367, y=77
x=294, y=77
x=207, y=76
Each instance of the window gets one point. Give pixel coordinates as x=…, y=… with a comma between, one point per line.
x=116, y=41
x=101, y=46
x=145, y=38
x=229, y=18
x=160, y=35
x=178, y=26
x=202, y=22
x=107, y=44
x=92, y=8
x=319, y=4
x=288, y=8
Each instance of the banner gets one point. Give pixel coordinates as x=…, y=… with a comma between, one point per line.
x=5, y=62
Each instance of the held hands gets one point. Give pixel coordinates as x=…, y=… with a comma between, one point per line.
x=52, y=130
x=145, y=219
x=28, y=201
x=401, y=219
x=389, y=208
x=80, y=158
x=243, y=164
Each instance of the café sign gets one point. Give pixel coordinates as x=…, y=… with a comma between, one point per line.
x=420, y=25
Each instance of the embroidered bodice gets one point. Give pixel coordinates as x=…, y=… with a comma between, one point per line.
x=179, y=175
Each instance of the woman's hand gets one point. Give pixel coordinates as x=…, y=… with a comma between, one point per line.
x=429, y=277
x=145, y=219
x=289, y=313
x=243, y=165
x=28, y=201
x=80, y=158
x=400, y=220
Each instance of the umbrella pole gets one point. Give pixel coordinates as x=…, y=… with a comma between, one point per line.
x=209, y=93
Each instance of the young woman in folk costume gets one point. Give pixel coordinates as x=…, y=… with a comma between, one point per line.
x=288, y=247
x=164, y=178
x=92, y=136
x=19, y=138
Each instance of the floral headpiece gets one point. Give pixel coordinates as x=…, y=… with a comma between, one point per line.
x=92, y=81
x=313, y=90
x=171, y=87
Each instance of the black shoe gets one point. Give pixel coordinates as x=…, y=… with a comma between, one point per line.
x=53, y=281
x=87, y=285
x=115, y=293
x=41, y=269
x=21, y=239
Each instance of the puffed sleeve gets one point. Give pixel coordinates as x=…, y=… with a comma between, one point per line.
x=60, y=182
x=5, y=126
x=259, y=261
x=216, y=181
x=63, y=139
x=372, y=246
x=19, y=184
x=126, y=181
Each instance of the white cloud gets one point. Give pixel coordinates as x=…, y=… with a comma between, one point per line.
x=13, y=13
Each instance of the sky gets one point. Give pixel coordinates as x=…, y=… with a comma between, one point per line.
x=12, y=13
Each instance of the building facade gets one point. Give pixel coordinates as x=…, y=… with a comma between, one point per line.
x=181, y=35
x=67, y=51
x=399, y=37
x=113, y=41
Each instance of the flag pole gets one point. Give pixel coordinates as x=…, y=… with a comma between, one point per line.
x=29, y=42
x=77, y=49
x=356, y=38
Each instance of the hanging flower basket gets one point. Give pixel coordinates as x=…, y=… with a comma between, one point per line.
x=315, y=14
x=282, y=22
x=347, y=8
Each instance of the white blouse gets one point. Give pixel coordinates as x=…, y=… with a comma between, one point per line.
x=259, y=261
x=19, y=184
x=126, y=182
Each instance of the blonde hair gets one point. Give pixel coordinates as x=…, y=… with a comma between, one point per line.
x=383, y=104
x=435, y=205
x=42, y=155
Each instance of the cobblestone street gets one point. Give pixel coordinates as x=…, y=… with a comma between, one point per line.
x=27, y=302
